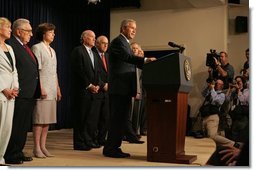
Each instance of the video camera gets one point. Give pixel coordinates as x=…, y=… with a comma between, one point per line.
x=210, y=58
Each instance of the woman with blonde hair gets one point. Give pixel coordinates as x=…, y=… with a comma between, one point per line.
x=8, y=86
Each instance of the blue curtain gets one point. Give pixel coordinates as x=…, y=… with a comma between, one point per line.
x=70, y=19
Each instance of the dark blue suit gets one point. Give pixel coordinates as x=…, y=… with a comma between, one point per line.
x=84, y=104
x=122, y=86
x=29, y=83
x=103, y=123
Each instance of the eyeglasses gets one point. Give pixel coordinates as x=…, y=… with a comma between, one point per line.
x=28, y=31
x=104, y=43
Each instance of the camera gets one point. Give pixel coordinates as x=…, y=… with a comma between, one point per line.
x=233, y=85
x=210, y=80
x=210, y=58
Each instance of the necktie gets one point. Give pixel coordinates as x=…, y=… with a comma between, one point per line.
x=29, y=52
x=104, y=62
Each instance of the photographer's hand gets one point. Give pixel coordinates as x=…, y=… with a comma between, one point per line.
x=230, y=154
x=217, y=63
x=211, y=86
x=210, y=70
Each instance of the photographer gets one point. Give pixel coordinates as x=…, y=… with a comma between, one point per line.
x=246, y=64
x=245, y=70
x=238, y=96
x=210, y=111
x=221, y=69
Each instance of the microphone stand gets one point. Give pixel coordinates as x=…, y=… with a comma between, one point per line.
x=181, y=49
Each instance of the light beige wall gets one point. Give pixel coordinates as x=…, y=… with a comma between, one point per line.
x=198, y=29
x=237, y=42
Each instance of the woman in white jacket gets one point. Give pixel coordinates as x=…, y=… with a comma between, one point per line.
x=8, y=86
x=45, y=109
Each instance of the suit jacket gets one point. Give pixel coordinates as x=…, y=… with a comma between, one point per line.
x=47, y=69
x=103, y=72
x=82, y=71
x=122, y=68
x=28, y=73
x=8, y=78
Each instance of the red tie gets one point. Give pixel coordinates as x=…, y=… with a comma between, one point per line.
x=104, y=62
x=29, y=52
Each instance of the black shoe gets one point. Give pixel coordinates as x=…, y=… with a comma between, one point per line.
x=14, y=161
x=124, y=138
x=26, y=158
x=139, y=136
x=82, y=148
x=135, y=141
x=93, y=145
x=102, y=142
x=143, y=133
x=115, y=154
x=125, y=154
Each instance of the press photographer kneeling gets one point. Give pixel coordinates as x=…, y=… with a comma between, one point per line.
x=210, y=110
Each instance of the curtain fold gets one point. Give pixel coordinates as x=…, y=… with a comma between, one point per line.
x=70, y=19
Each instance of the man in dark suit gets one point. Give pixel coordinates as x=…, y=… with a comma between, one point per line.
x=85, y=93
x=122, y=86
x=101, y=50
x=28, y=76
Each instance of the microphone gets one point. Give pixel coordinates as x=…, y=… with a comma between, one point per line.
x=174, y=45
x=181, y=48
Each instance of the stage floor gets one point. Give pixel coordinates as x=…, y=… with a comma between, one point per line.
x=60, y=144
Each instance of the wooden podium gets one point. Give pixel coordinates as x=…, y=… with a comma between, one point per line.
x=167, y=82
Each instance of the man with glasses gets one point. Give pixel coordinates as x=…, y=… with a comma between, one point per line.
x=210, y=111
x=28, y=76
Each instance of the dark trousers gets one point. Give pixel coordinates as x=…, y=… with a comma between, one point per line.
x=143, y=115
x=135, y=118
x=119, y=112
x=103, y=124
x=91, y=121
x=131, y=131
x=85, y=110
x=80, y=106
x=22, y=121
x=239, y=128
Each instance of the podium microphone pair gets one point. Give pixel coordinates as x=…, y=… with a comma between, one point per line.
x=172, y=44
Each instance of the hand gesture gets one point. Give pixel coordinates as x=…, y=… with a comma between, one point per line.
x=150, y=59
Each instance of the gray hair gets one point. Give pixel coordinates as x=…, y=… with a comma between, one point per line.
x=84, y=34
x=17, y=24
x=125, y=23
x=100, y=38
